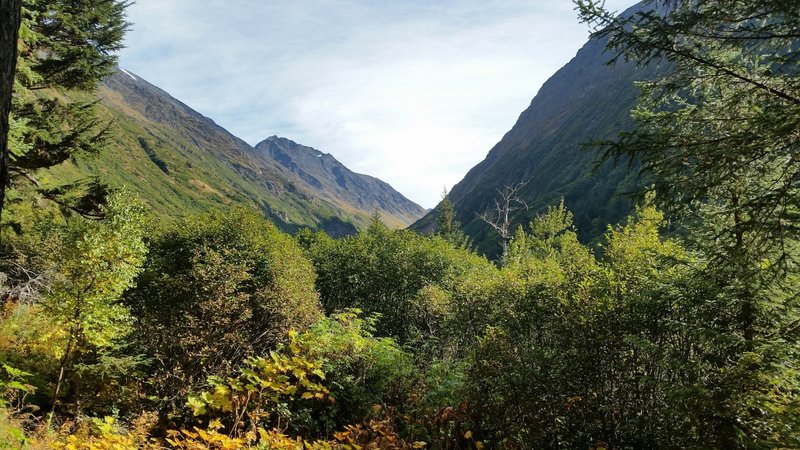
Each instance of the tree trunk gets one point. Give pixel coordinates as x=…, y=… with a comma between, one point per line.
x=10, y=17
x=747, y=313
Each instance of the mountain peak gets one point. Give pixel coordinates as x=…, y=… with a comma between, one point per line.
x=325, y=173
x=180, y=161
x=276, y=138
x=288, y=145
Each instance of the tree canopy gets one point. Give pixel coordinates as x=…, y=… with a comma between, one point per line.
x=65, y=49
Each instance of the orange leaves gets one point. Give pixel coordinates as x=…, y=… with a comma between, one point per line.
x=377, y=434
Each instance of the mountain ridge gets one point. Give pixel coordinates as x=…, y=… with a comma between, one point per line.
x=584, y=101
x=180, y=161
x=330, y=175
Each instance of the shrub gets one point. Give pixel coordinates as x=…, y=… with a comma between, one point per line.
x=216, y=290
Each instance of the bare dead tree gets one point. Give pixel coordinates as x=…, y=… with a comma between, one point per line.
x=20, y=284
x=499, y=216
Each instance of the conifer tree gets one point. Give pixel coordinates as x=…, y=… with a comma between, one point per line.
x=721, y=125
x=719, y=132
x=65, y=49
x=449, y=226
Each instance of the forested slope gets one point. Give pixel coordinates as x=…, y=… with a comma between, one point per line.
x=584, y=101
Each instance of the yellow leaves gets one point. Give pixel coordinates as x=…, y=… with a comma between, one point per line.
x=278, y=441
x=262, y=388
x=373, y=435
x=208, y=439
x=197, y=405
x=105, y=434
x=113, y=442
x=215, y=424
x=478, y=444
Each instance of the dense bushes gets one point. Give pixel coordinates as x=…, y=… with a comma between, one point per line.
x=405, y=278
x=69, y=328
x=582, y=352
x=221, y=336
x=217, y=289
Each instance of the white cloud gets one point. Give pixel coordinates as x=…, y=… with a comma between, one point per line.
x=412, y=92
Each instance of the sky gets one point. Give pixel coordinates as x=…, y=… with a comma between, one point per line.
x=414, y=92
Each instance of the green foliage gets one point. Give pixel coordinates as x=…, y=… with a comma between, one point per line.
x=218, y=288
x=62, y=319
x=31, y=341
x=65, y=50
x=580, y=351
x=362, y=370
x=151, y=153
x=266, y=390
x=400, y=275
x=92, y=263
x=449, y=228
x=717, y=134
x=551, y=251
x=717, y=126
x=12, y=431
x=13, y=385
x=74, y=46
x=321, y=380
x=641, y=342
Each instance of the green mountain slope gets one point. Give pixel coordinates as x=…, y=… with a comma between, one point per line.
x=585, y=100
x=179, y=161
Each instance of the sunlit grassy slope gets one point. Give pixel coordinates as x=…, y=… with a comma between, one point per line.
x=179, y=161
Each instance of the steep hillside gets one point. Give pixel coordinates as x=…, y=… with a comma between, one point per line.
x=179, y=161
x=585, y=100
x=338, y=183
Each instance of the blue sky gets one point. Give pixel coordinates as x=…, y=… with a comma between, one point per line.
x=412, y=92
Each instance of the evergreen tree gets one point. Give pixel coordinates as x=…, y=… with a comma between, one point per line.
x=449, y=226
x=719, y=132
x=720, y=128
x=65, y=49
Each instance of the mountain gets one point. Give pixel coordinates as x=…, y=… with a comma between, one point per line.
x=179, y=161
x=338, y=183
x=584, y=101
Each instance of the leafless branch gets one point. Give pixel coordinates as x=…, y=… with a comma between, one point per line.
x=499, y=217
